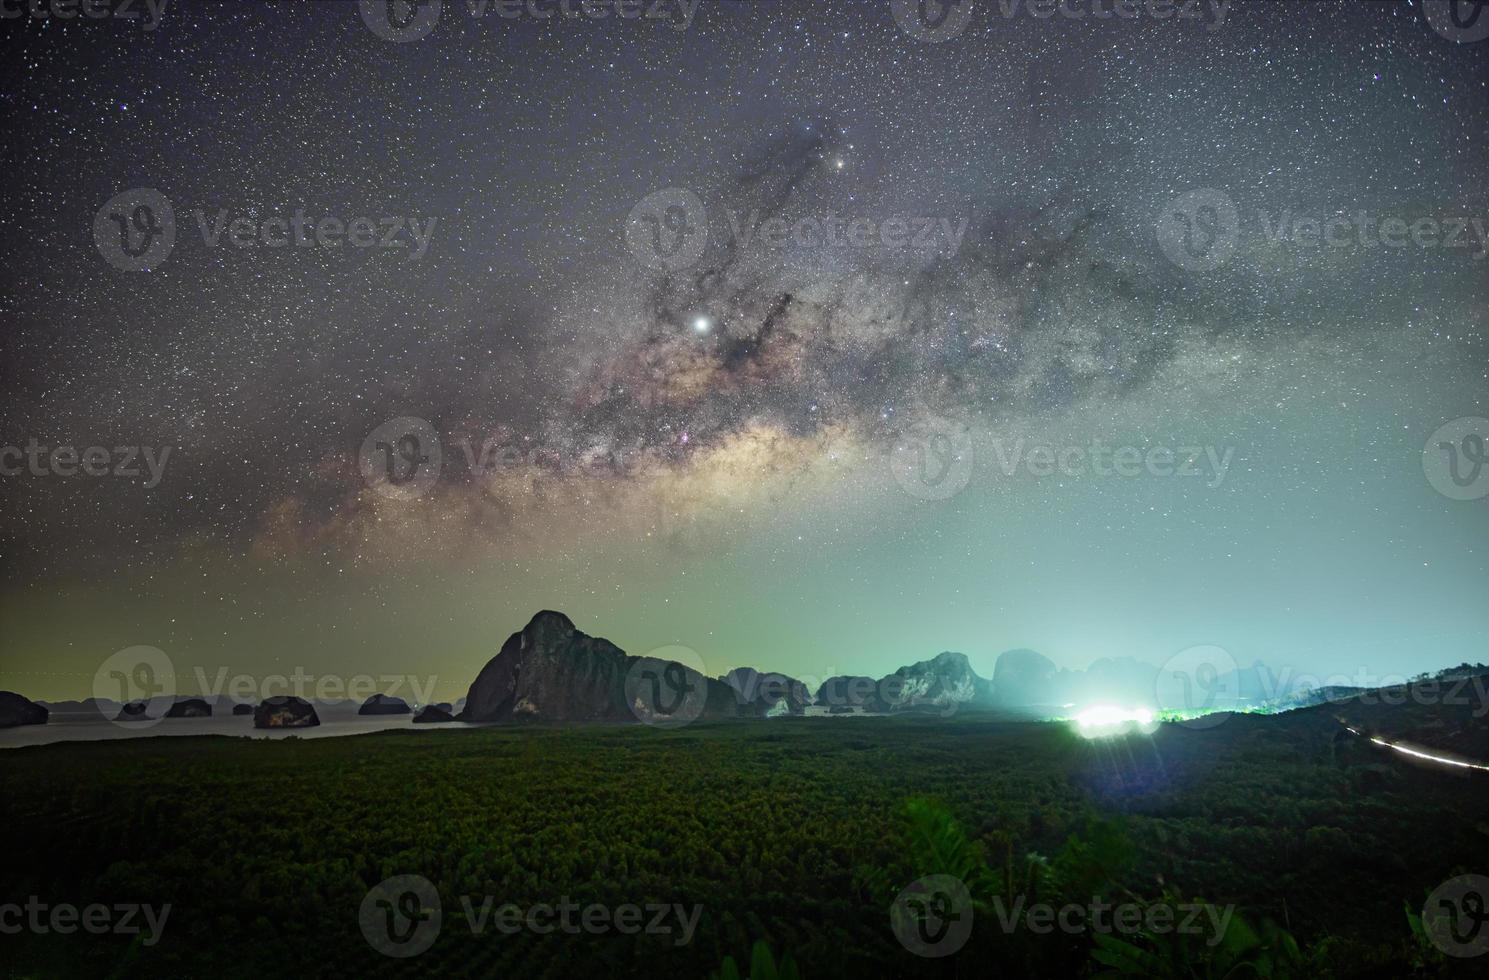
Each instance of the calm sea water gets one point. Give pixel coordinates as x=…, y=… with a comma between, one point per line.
x=89, y=727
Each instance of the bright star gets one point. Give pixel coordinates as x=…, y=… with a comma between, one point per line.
x=702, y=324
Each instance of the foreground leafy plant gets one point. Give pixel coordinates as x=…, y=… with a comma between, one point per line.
x=1242, y=950
x=763, y=966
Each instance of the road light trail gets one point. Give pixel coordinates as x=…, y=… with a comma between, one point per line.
x=1417, y=753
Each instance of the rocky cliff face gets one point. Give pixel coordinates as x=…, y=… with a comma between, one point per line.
x=16, y=710
x=758, y=695
x=855, y=692
x=190, y=708
x=1023, y=677
x=383, y=704
x=134, y=711
x=550, y=671
x=946, y=680
x=285, y=712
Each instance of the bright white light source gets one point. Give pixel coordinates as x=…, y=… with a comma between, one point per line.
x=1105, y=720
x=702, y=324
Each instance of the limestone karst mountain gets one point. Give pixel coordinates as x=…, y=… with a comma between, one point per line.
x=550, y=671
x=384, y=704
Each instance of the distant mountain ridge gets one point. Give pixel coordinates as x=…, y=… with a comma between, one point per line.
x=551, y=671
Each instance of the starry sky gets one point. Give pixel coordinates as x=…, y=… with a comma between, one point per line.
x=738, y=330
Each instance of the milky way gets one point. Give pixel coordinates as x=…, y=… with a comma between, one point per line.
x=915, y=250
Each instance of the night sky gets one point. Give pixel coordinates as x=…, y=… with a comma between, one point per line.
x=803, y=444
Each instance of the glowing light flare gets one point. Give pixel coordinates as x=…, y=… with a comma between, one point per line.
x=1103, y=721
